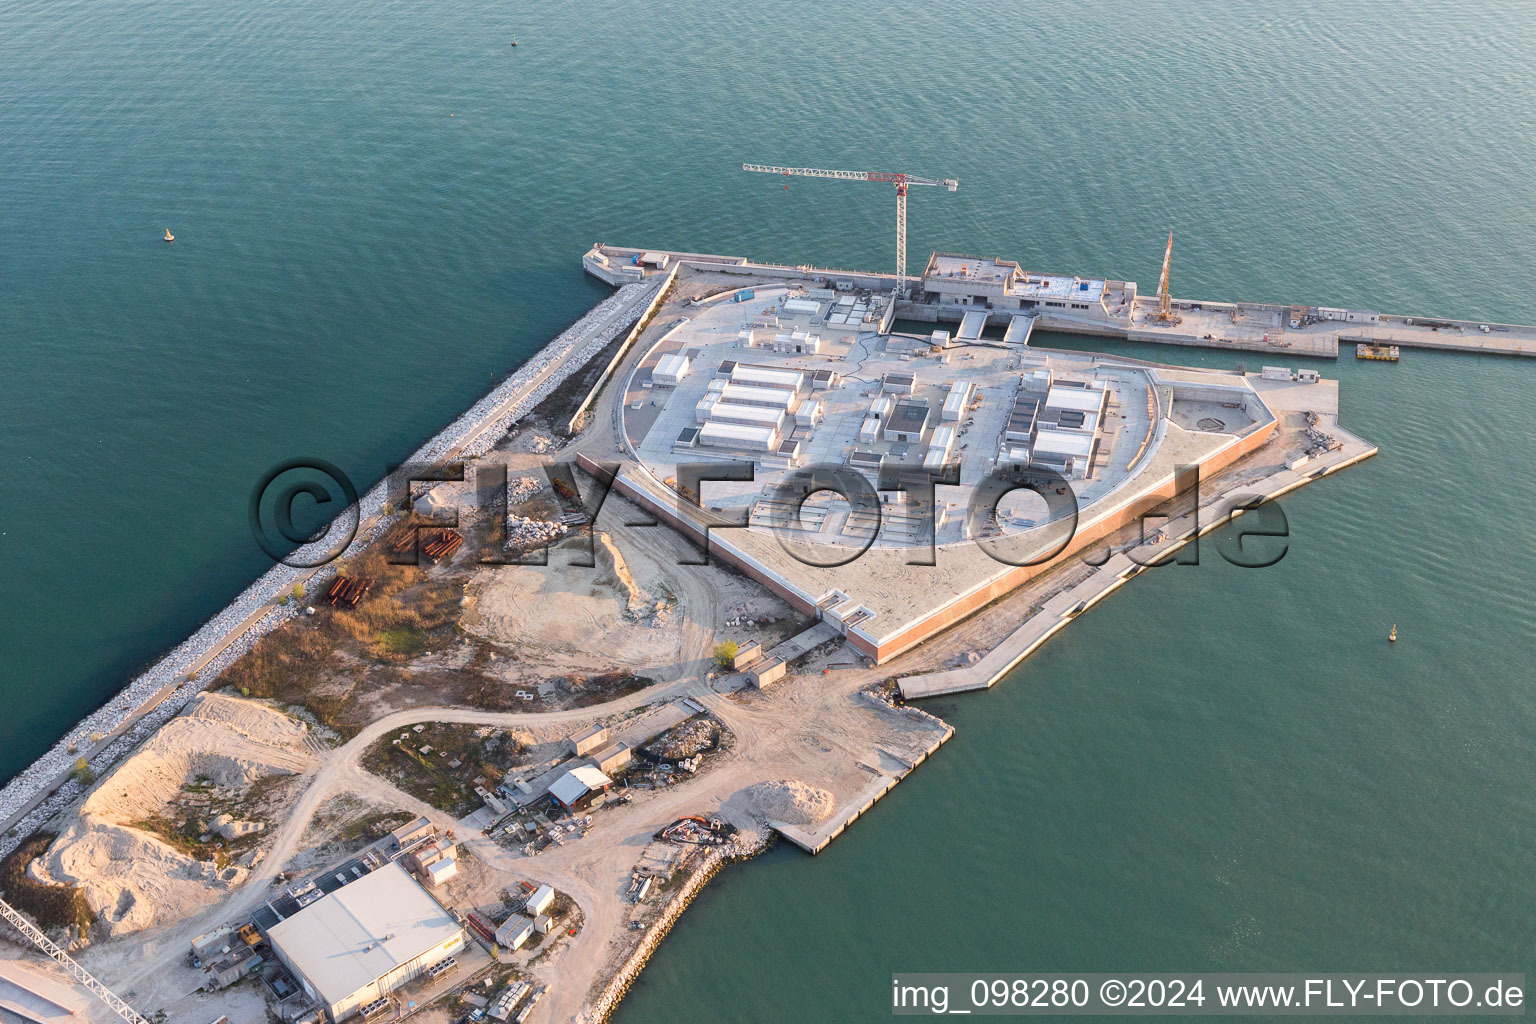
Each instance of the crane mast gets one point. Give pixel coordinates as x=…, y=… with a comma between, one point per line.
x=900, y=180
x=1164, y=302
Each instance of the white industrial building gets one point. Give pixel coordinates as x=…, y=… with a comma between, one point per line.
x=736, y=435
x=514, y=931
x=670, y=370
x=958, y=401
x=908, y=421
x=364, y=940
x=539, y=902
x=1069, y=452
x=767, y=397
x=577, y=786
x=767, y=376
x=749, y=415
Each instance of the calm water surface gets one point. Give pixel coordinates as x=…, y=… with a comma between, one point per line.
x=379, y=209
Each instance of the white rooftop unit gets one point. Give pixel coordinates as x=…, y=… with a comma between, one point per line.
x=880, y=405
x=767, y=376
x=808, y=415
x=802, y=306
x=670, y=369
x=440, y=871
x=768, y=398
x=869, y=430
x=1063, y=442
x=943, y=441
x=751, y=415
x=702, y=407
x=958, y=401
x=1080, y=399
x=736, y=435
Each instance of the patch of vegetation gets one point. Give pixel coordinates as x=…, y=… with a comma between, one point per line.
x=82, y=772
x=725, y=653
x=440, y=764
x=50, y=905
x=313, y=661
x=402, y=644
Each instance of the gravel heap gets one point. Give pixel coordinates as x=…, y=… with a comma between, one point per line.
x=521, y=489
x=471, y=435
x=687, y=739
x=791, y=801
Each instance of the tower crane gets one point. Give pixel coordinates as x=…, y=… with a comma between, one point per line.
x=901, y=181
x=80, y=974
x=1164, y=301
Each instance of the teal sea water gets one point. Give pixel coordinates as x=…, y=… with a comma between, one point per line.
x=1217, y=769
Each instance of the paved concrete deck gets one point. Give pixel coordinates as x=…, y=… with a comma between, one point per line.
x=888, y=768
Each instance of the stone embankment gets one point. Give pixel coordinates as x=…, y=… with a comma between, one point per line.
x=746, y=844
x=44, y=788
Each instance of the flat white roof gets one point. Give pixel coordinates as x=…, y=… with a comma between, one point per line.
x=730, y=412
x=1063, y=442
x=1082, y=399
x=974, y=268
x=744, y=393
x=801, y=306
x=673, y=363
x=1057, y=287
x=744, y=374
x=959, y=394
x=359, y=933
x=729, y=432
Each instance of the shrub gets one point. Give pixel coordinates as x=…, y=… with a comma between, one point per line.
x=725, y=653
x=82, y=773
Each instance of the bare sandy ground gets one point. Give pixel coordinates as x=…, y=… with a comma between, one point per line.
x=641, y=608
x=130, y=878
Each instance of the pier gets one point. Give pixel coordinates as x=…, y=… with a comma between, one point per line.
x=975, y=291
x=886, y=769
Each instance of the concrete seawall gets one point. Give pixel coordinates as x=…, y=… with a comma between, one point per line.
x=814, y=840
x=1061, y=609
x=1261, y=327
x=45, y=787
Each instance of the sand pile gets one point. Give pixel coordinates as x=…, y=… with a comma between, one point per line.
x=791, y=801
x=611, y=565
x=132, y=879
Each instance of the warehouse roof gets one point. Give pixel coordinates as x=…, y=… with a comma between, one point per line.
x=909, y=417
x=577, y=783
x=362, y=931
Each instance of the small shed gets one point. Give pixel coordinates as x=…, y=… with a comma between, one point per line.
x=514, y=931
x=768, y=673
x=539, y=902
x=583, y=743
x=745, y=655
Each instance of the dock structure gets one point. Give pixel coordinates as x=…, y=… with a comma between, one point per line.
x=956, y=288
x=886, y=768
x=1216, y=511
